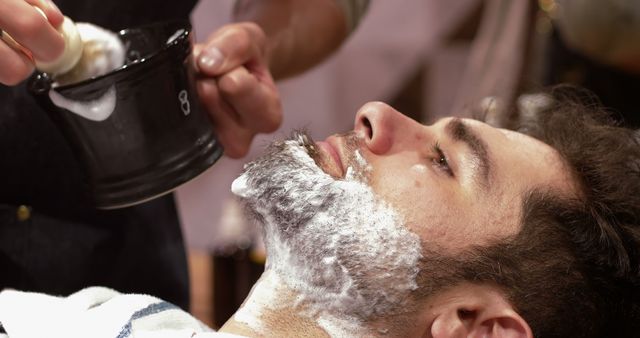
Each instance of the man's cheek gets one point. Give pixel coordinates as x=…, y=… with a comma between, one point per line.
x=399, y=190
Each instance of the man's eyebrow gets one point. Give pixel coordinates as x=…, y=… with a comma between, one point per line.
x=457, y=130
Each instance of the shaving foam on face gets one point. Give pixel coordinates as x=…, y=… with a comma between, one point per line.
x=419, y=168
x=264, y=295
x=344, y=252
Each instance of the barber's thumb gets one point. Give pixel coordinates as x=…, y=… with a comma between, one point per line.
x=209, y=59
x=52, y=12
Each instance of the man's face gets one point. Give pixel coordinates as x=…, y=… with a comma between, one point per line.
x=347, y=220
x=458, y=182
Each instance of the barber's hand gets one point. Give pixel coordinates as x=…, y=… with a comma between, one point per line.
x=34, y=37
x=236, y=86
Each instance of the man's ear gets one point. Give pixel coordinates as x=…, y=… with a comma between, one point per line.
x=478, y=313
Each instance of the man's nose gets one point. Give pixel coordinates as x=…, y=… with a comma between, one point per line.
x=379, y=125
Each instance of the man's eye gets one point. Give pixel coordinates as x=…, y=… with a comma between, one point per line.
x=440, y=160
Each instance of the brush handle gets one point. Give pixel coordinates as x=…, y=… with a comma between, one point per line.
x=67, y=60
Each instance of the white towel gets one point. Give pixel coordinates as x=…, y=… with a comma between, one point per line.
x=96, y=312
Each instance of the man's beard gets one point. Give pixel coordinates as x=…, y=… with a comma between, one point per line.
x=341, y=249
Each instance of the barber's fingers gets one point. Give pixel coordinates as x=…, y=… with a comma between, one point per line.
x=255, y=100
x=231, y=46
x=234, y=137
x=29, y=28
x=236, y=87
x=51, y=11
x=15, y=66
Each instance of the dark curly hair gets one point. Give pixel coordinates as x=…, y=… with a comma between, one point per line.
x=573, y=270
x=601, y=231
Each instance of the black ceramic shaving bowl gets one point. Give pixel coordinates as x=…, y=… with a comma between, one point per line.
x=156, y=136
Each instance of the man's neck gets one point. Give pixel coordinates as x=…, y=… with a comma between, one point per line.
x=270, y=311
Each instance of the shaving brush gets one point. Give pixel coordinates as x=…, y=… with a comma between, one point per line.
x=89, y=51
x=72, y=48
x=72, y=53
x=102, y=52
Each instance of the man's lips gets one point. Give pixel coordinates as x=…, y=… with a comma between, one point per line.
x=329, y=151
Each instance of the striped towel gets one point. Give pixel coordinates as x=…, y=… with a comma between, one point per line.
x=96, y=312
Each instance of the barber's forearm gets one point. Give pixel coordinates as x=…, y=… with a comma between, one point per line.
x=300, y=33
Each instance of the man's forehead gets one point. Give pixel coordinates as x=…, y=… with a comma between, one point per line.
x=519, y=137
x=537, y=151
x=469, y=122
x=563, y=179
x=545, y=152
x=511, y=135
